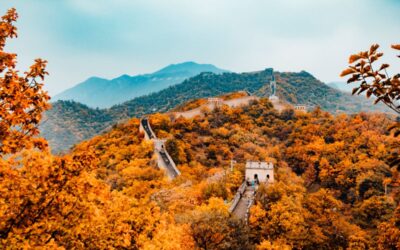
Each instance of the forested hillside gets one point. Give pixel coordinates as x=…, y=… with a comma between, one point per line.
x=332, y=172
x=295, y=88
x=329, y=192
x=69, y=122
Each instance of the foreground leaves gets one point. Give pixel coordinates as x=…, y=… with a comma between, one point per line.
x=22, y=99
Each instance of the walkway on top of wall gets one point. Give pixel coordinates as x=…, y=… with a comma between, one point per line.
x=164, y=160
x=241, y=101
x=242, y=202
x=245, y=195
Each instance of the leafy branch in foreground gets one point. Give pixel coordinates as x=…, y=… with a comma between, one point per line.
x=22, y=98
x=377, y=82
x=374, y=80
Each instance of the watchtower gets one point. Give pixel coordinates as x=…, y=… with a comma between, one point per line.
x=259, y=172
x=272, y=85
x=215, y=100
x=300, y=108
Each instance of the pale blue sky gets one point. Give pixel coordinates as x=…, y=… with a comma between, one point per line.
x=107, y=38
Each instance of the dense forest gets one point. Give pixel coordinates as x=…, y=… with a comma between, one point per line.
x=294, y=88
x=329, y=194
x=331, y=171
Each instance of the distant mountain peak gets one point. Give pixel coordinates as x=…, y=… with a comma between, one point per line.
x=95, y=78
x=189, y=66
x=103, y=93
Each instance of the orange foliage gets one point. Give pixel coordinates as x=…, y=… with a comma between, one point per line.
x=331, y=178
x=22, y=99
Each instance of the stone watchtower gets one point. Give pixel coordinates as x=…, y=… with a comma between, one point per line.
x=259, y=172
x=272, y=85
x=215, y=100
x=300, y=108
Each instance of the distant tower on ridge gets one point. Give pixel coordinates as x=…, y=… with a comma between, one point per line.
x=272, y=85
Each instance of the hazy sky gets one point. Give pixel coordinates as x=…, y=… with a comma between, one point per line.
x=107, y=38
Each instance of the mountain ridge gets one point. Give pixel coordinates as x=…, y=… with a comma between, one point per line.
x=82, y=122
x=104, y=93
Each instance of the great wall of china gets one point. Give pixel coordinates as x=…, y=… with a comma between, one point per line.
x=164, y=160
x=244, y=198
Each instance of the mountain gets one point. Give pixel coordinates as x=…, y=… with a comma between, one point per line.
x=103, y=93
x=295, y=88
x=70, y=122
x=342, y=86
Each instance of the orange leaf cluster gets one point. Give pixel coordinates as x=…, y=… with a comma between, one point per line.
x=22, y=99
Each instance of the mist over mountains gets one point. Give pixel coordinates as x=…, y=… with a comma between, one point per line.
x=342, y=86
x=98, y=92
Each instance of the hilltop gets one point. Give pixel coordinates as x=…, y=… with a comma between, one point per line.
x=295, y=88
x=103, y=93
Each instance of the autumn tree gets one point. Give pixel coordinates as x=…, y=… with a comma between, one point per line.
x=49, y=202
x=170, y=236
x=22, y=99
x=389, y=232
x=375, y=81
x=213, y=228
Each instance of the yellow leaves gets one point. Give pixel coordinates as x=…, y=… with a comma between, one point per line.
x=233, y=181
x=212, y=227
x=268, y=245
x=373, y=49
x=170, y=236
x=354, y=58
x=22, y=98
x=37, y=70
x=384, y=66
x=176, y=149
x=191, y=105
x=325, y=169
x=396, y=46
x=234, y=95
x=222, y=131
x=11, y=16
x=7, y=28
x=389, y=233
x=215, y=205
x=286, y=217
x=257, y=215
x=372, y=81
x=358, y=241
x=160, y=122
x=56, y=200
x=361, y=55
